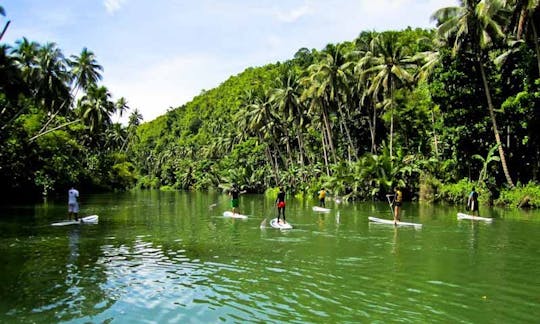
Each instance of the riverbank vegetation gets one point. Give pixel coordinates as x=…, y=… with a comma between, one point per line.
x=434, y=111
x=56, y=127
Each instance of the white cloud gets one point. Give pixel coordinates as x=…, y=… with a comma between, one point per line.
x=168, y=83
x=293, y=14
x=113, y=5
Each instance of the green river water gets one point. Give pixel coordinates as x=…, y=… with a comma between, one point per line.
x=171, y=257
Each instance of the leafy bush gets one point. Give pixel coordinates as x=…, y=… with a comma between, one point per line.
x=429, y=187
x=457, y=193
x=527, y=196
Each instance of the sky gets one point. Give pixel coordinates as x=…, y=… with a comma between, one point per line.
x=160, y=54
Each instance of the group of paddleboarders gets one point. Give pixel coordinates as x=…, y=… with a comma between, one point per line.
x=235, y=192
x=395, y=204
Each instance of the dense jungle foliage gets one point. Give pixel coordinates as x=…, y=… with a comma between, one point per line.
x=434, y=111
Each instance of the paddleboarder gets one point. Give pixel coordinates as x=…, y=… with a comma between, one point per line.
x=280, y=203
x=472, y=202
x=73, y=204
x=322, y=196
x=398, y=199
x=235, y=200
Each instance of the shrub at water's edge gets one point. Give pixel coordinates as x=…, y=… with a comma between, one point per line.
x=523, y=196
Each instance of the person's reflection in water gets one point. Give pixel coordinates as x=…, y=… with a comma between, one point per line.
x=73, y=243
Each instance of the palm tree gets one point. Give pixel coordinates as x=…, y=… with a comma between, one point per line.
x=524, y=16
x=52, y=78
x=85, y=69
x=258, y=118
x=359, y=61
x=96, y=107
x=26, y=53
x=332, y=84
x=11, y=85
x=390, y=66
x=287, y=97
x=472, y=27
x=315, y=97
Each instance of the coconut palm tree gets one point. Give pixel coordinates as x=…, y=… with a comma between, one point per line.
x=287, y=98
x=85, y=70
x=472, y=27
x=391, y=67
x=96, y=107
x=332, y=84
x=525, y=14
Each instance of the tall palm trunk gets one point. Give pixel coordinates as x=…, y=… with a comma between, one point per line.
x=325, y=151
x=271, y=159
x=435, y=140
x=328, y=130
x=347, y=132
x=373, y=129
x=494, y=124
x=391, y=114
x=536, y=46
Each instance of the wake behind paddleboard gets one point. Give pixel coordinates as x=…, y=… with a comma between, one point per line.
x=391, y=222
x=321, y=209
x=274, y=223
x=92, y=219
x=235, y=215
x=472, y=217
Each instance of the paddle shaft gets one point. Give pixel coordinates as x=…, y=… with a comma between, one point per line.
x=390, y=203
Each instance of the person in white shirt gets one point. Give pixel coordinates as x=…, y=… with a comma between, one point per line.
x=73, y=204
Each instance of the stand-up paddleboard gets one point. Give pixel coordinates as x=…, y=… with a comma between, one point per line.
x=235, y=215
x=472, y=217
x=274, y=223
x=391, y=222
x=92, y=219
x=321, y=209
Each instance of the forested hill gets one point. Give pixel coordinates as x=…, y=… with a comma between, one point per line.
x=360, y=117
x=433, y=111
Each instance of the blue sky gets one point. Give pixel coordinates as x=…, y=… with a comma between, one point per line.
x=160, y=54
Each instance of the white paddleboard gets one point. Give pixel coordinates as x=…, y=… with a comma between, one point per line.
x=235, y=215
x=472, y=217
x=391, y=222
x=274, y=223
x=92, y=219
x=321, y=209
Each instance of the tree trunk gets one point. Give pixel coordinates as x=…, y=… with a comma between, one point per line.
x=435, y=141
x=391, y=115
x=328, y=132
x=349, y=139
x=4, y=30
x=325, y=152
x=373, y=130
x=536, y=46
x=495, y=128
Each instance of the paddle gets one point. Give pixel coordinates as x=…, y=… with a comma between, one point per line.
x=390, y=203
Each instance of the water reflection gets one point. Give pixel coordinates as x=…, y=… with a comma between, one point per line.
x=166, y=257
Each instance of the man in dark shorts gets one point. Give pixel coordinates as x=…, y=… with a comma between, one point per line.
x=472, y=202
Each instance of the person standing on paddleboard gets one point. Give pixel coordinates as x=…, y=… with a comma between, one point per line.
x=280, y=202
x=73, y=204
x=472, y=202
x=322, y=197
x=235, y=201
x=398, y=199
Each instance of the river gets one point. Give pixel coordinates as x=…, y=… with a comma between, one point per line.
x=171, y=257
